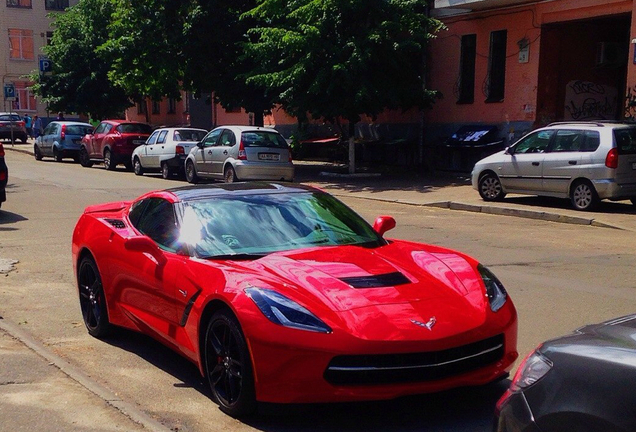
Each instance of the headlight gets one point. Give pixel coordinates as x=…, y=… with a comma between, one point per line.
x=283, y=311
x=532, y=369
x=495, y=290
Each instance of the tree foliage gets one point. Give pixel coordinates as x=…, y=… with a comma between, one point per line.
x=80, y=82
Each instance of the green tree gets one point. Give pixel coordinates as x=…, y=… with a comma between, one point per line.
x=341, y=58
x=79, y=82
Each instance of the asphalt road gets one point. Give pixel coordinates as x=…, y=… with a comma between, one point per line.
x=560, y=277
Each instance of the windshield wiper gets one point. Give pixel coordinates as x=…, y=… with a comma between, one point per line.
x=235, y=256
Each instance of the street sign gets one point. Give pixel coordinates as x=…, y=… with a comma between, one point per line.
x=45, y=64
x=9, y=91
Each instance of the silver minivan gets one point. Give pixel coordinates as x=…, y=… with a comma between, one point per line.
x=235, y=153
x=583, y=161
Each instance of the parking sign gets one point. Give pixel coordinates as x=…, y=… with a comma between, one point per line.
x=9, y=91
x=45, y=64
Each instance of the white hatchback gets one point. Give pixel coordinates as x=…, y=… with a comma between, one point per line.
x=234, y=153
x=583, y=161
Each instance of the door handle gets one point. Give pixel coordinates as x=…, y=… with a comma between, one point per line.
x=572, y=162
x=535, y=163
x=225, y=152
x=210, y=152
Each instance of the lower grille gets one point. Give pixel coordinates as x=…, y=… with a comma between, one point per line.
x=414, y=367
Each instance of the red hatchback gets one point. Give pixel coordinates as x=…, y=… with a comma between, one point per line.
x=280, y=293
x=112, y=143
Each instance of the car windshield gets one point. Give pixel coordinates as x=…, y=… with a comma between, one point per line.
x=139, y=128
x=78, y=130
x=189, y=135
x=9, y=117
x=256, y=225
x=263, y=139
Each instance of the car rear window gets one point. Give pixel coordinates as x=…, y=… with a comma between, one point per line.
x=189, y=135
x=263, y=139
x=8, y=117
x=134, y=128
x=78, y=130
x=625, y=140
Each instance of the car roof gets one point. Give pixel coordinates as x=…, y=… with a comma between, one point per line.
x=242, y=128
x=590, y=124
x=179, y=128
x=72, y=123
x=192, y=193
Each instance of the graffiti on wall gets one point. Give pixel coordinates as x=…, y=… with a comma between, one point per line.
x=586, y=100
x=630, y=103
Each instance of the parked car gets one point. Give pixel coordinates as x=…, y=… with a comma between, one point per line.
x=113, y=142
x=166, y=150
x=280, y=293
x=582, y=382
x=12, y=122
x=234, y=153
x=61, y=139
x=586, y=162
x=4, y=176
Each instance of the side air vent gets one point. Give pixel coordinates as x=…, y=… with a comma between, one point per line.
x=117, y=223
x=376, y=281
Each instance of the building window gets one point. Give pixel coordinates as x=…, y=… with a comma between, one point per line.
x=172, y=106
x=49, y=37
x=141, y=107
x=56, y=4
x=497, y=66
x=25, y=100
x=21, y=44
x=19, y=3
x=467, y=69
x=156, y=107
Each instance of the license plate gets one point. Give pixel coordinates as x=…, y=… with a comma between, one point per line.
x=138, y=142
x=269, y=156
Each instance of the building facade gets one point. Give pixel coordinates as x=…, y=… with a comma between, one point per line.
x=520, y=64
x=26, y=29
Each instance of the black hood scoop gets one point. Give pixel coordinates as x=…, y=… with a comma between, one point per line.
x=377, y=281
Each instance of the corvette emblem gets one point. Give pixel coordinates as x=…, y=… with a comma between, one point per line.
x=429, y=324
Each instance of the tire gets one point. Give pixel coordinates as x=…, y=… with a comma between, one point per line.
x=139, y=170
x=583, y=196
x=57, y=155
x=92, y=299
x=37, y=153
x=490, y=188
x=84, y=158
x=166, y=172
x=191, y=173
x=228, y=365
x=229, y=175
x=109, y=163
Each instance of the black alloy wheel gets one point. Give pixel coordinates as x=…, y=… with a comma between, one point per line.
x=92, y=299
x=109, y=163
x=490, y=188
x=57, y=155
x=37, y=153
x=228, y=366
x=229, y=175
x=191, y=173
x=84, y=158
x=139, y=170
x=166, y=172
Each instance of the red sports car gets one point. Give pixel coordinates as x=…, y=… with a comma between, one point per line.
x=280, y=293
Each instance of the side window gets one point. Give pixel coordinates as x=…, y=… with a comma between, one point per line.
x=107, y=128
x=625, y=141
x=48, y=130
x=100, y=128
x=534, y=143
x=136, y=211
x=159, y=223
x=592, y=141
x=212, y=138
x=567, y=141
x=162, y=137
x=153, y=138
x=227, y=138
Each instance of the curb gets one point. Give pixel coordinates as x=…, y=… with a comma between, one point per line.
x=20, y=150
x=126, y=408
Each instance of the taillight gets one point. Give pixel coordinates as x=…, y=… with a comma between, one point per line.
x=180, y=150
x=3, y=176
x=63, y=131
x=290, y=155
x=21, y=123
x=611, y=161
x=242, y=155
x=1, y=150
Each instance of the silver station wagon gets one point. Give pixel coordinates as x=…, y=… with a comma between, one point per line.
x=586, y=162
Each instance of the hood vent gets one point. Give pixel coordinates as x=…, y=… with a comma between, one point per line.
x=117, y=223
x=377, y=281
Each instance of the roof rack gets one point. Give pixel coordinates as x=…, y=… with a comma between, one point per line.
x=599, y=123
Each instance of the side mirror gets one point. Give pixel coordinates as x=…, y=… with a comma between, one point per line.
x=383, y=224
x=200, y=144
x=509, y=151
x=145, y=245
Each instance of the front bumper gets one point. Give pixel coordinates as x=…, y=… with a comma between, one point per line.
x=513, y=414
x=264, y=170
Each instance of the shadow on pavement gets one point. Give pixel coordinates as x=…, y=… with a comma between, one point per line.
x=610, y=207
x=7, y=217
x=461, y=410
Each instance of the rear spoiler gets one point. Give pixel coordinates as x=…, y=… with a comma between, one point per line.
x=107, y=207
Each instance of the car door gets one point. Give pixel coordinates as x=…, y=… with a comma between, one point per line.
x=221, y=151
x=522, y=166
x=562, y=161
x=97, y=138
x=47, y=140
x=142, y=152
x=203, y=155
x=154, y=150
